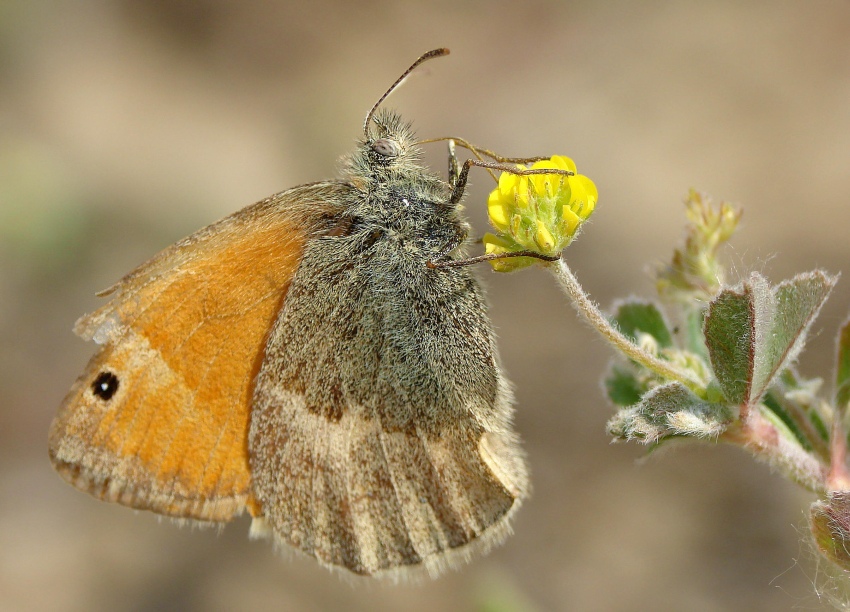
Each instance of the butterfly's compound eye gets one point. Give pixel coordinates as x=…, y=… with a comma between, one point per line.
x=386, y=147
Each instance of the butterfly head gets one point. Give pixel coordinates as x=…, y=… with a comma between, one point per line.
x=389, y=142
x=388, y=148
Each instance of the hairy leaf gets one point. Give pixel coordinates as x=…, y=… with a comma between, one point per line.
x=797, y=303
x=633, y=317
x=670, y=410
x=753, y=332
x=622, y=386
x=730, y=335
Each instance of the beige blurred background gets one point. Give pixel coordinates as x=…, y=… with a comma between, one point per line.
x=126, y=125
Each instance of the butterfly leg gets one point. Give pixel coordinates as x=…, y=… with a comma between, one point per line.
x=459, y=263
x=454, y=243
x=453, y=165
x=460, y=184
x=459, y=238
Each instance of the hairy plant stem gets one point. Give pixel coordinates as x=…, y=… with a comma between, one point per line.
x=591, y=313
x=761, y=437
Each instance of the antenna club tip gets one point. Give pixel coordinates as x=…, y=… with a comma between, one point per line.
x=442, y=51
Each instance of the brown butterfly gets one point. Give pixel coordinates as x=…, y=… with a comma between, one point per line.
x=317, y=359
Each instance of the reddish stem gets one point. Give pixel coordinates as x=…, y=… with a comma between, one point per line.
x=760, y=437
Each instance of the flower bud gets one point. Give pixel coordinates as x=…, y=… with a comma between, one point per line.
x=829, y=521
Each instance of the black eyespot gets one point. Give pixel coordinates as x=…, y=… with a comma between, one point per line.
x=386, y=147
x=105, y=385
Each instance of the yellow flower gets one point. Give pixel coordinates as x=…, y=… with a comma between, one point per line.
x=541, y=213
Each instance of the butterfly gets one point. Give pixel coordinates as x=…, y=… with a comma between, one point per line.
x=316, y=359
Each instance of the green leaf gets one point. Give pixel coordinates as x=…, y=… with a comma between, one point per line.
x=774, y=406
x=622, y=386
x=753, y=333
x=730, y=331
x=670, y=410
x=694, y=319
x=797, y=303
x=817, y=422
x=842, y=368
x=635, y=317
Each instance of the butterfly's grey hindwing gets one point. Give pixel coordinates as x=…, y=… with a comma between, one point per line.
x=381, y=423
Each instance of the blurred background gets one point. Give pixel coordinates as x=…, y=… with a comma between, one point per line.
x=126, y=125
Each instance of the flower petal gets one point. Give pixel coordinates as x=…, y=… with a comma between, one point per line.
x=497, y=210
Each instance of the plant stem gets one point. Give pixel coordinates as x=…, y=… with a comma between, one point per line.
x=760, y=436
x=839, y=478
x=590, y=312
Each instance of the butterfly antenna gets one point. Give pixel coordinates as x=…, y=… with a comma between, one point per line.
x=422, y=58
